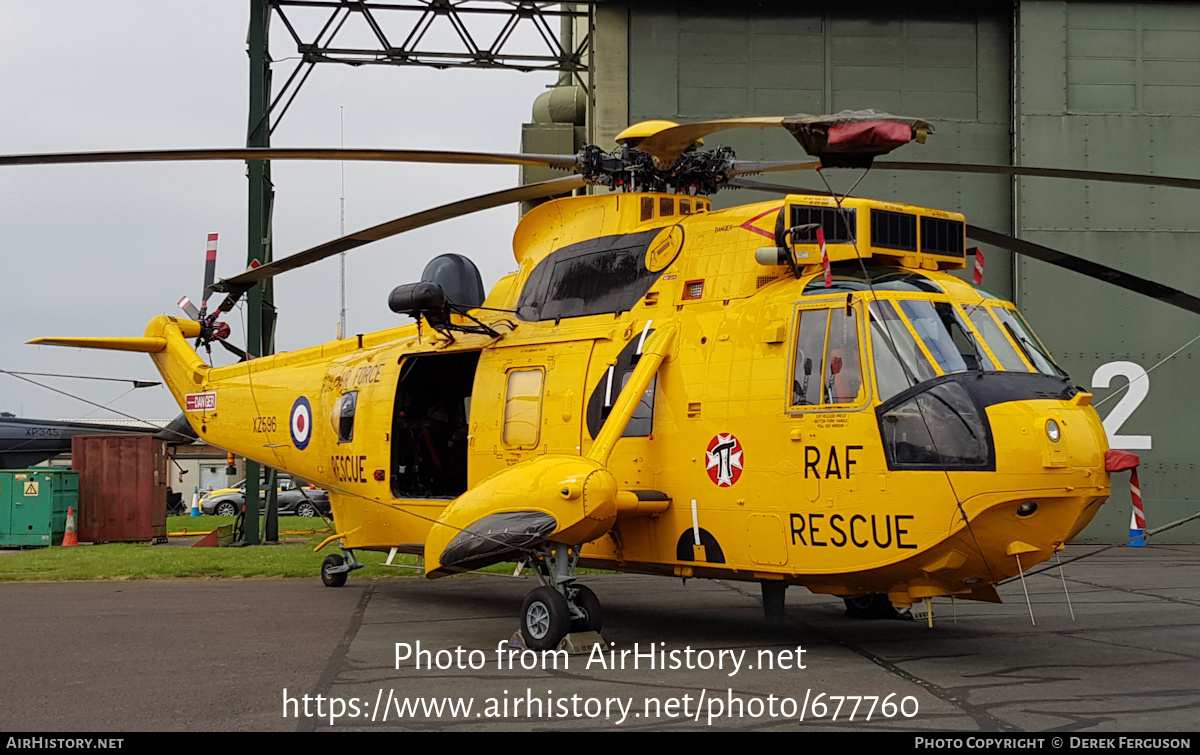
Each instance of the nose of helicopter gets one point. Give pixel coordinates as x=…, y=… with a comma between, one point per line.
x=1048, y=481
x=1051, y=477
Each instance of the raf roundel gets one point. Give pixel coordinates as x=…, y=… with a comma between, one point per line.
x=301, y=423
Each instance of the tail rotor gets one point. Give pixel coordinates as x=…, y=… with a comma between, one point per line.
x=210, y=328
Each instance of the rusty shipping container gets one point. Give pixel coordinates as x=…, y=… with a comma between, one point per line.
x=122, y=487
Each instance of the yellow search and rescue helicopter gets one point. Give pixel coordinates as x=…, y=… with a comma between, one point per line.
x=670, y=389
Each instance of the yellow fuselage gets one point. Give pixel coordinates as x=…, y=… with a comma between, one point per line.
x=781, y=473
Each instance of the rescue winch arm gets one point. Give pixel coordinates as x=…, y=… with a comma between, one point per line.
x=658, y=347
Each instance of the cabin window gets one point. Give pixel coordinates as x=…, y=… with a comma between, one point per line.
x=343, y=416
x=608, y=387
x=641, y=424
x=647, y=208
x=523, y=408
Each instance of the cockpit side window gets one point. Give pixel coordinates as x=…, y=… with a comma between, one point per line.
x=810, y=347
x=1030, y=346
x=843, y=376
x=828, y=362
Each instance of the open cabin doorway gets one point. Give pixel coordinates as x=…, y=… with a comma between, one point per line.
x=429, y=425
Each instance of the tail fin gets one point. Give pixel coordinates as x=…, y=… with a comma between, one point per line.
x=165, y=340
x=148, y=344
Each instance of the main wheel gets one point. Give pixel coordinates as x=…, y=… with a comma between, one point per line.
x=330, y=578
x=306, y=509
x=586, y=601
x=874, y=606
x=226, y=508
x=545, y=618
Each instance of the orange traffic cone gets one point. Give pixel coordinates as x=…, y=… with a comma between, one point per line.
x=70, y=538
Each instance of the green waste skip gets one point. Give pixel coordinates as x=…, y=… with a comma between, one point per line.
x=33, y=505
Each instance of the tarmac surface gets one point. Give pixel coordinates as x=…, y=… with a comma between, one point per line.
x=217, y=655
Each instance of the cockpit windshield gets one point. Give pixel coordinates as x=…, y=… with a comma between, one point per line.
x=951, y=342
x=899, y=362
x=1027, y=342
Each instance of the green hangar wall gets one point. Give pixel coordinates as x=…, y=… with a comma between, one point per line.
x=1098, y=86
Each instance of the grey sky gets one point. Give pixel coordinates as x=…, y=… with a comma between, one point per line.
x=99, y=250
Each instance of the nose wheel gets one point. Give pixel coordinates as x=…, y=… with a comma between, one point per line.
x=559, y=606
x=336, y=568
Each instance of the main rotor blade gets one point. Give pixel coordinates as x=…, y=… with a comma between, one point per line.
x=1095, y=270
x=860, y=133
x=667, y=145
x=566, y=162
x=240, y=283
x=743, y=183
x=1021, y=170
x=746, y=167
x=1055, y=257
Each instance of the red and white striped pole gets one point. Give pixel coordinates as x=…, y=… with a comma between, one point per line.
x=824, y=257
x=979, y=260
x=1137, y=518
x=1119, y=461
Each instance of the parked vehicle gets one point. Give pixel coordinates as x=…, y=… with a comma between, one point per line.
x=296, y=498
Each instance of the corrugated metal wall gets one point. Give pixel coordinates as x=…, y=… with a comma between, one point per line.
x=1105, y=86
x=1116, y=87
x=945, y=63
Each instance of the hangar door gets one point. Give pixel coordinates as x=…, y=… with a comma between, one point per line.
x=944, y=63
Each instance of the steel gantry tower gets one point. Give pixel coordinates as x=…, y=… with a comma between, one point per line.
x=400, y=31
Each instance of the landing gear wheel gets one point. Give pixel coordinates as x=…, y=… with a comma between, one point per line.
x=545, y=618
x=586, y=601
x=331, y=578
x=874, y=606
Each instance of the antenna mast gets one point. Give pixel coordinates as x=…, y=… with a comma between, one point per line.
x=342, y=225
